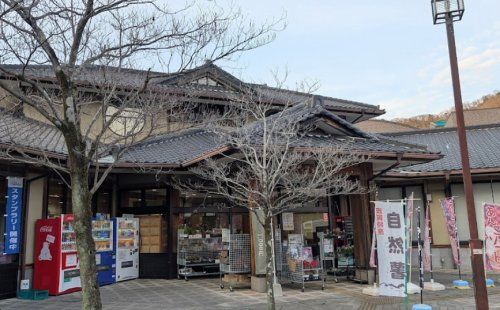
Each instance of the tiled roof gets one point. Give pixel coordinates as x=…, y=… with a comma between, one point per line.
x=289, y=96
x=185, y=147
x=483, y=141
x=176, y=149
x=178, y=83
x=27, y=133
x=311, y=108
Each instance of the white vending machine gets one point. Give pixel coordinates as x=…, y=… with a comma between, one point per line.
x=126, y=248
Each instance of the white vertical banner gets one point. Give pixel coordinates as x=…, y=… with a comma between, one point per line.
x=287, y=220
x=390, y=232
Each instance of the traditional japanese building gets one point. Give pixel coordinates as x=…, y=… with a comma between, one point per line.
x=134, y=187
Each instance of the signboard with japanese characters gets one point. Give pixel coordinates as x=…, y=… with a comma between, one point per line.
x=492, y=236
x=13, y=215
x=390, y=233
x=259, y=246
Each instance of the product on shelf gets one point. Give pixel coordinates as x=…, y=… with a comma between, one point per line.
x=153, y=232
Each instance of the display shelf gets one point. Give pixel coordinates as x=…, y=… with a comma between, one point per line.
x=235, y=262
x=196, y=257
x=296, y=255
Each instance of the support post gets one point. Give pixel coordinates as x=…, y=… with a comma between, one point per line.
x=362, y=219
x=480, y=292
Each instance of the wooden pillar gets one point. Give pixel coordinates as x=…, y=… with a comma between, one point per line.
x=174, y=202
x=362, y=218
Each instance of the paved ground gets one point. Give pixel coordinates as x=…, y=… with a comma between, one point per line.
x=205, y=294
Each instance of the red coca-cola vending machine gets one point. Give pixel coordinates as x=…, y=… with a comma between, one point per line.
x=56, y=259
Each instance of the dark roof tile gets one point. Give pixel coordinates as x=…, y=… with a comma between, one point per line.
x=483, y=142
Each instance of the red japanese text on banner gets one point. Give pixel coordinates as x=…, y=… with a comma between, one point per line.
x=390, y=232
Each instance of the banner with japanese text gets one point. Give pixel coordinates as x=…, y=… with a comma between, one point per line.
x=426, y=255
x=492, y=236
x=13, y=215
x=448, y=206
x=390, y=232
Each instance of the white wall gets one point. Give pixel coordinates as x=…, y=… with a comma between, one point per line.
x=35, y=207
x=483, y=192
x=395, y=193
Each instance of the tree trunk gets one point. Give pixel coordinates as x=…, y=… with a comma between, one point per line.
x=271, y=304
x=82, y=210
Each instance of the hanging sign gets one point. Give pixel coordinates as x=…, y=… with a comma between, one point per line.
x=390, y=232
x=448, y=206
x=287, y=219
x=492, y=236
x=13, y=216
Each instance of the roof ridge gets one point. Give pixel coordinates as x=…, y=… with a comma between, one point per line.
x=441, y=130
x=175, y=135
x=317, y=95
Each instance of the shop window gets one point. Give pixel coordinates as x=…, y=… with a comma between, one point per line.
x=103, y=202
x=56, y=198
x=308, y=224
x=155, y=197
x=203, y=200
x=132, y=199
x=150, y=198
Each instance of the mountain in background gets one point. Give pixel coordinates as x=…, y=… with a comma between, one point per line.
x=424, y=121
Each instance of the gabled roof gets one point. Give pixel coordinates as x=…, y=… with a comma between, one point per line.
x=179, y=84
x=312, y=109
x=483, y=142
x=190, y=146
x=187, y=147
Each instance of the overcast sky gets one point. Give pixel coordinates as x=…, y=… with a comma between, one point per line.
x=386, y=52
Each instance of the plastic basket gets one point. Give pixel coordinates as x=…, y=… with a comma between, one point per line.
x=33, y=294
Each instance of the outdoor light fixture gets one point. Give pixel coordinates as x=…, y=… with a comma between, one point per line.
x=448, y=11
x=442, y=9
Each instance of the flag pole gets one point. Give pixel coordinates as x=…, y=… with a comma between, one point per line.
x=404, y=202
x=420, y=264
x=458, y=243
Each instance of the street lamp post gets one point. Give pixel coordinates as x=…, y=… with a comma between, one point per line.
x=448, y=11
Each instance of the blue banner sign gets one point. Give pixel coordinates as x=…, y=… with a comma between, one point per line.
x=13, y=217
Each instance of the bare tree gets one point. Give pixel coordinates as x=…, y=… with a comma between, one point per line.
x=88, y=94
x=277, y=162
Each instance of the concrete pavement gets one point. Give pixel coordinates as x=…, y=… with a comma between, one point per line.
x=206, y=294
